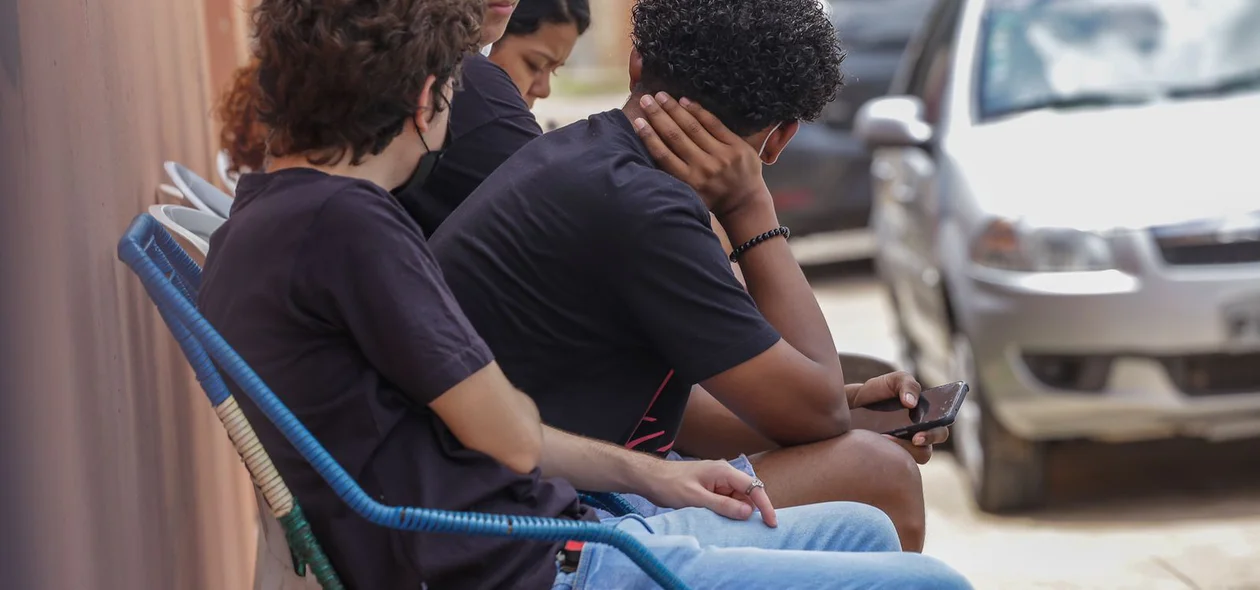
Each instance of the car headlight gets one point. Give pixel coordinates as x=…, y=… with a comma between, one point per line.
x=1007, y=245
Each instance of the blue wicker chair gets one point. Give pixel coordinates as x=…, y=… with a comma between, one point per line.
x=172, y=280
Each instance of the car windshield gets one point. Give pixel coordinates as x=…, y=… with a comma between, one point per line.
x=877, y=24
x=1061, y=54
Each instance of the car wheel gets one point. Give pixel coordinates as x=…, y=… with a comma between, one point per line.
x=1006, y=472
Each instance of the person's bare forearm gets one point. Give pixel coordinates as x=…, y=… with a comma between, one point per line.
x=711, y=431
x=596, y=466
x=488, y=415
x=776, y=283
x=713, y=427
x=601, y=467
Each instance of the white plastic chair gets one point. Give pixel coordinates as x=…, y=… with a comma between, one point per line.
x=224, y=164
x=170, y=191
x=199, y=191
x=188, y=223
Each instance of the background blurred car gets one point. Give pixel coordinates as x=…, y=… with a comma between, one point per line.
x=1067, y=215
x=821, y=182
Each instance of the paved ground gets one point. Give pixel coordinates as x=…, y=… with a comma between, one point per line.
x=1156, y=516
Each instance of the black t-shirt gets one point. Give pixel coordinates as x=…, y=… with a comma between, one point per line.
x=325, y=287
x=598, y=282
x=489, y=122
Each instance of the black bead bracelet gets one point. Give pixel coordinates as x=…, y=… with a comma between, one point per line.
x=782, y=230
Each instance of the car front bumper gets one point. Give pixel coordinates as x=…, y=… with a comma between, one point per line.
x=1144, y=351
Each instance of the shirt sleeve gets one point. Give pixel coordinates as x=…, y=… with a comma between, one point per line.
x=366, y=270
x=678, y=285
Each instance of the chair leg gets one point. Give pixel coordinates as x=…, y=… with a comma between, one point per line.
x=298, y=533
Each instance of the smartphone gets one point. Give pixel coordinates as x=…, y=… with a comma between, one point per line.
x=937, y=407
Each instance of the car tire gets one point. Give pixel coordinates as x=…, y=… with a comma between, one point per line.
x=1006, y=472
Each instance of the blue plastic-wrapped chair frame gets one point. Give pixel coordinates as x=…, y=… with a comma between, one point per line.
x=172, y=280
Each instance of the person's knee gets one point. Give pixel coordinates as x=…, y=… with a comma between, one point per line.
x=921, y=571
x=895, y=469
x=896, y=484
x=885, y=465
x=858, y=527
x=839, y=526
x=867, y=517
x=947, y=578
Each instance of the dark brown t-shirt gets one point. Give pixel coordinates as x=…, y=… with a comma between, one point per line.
x=325, y=286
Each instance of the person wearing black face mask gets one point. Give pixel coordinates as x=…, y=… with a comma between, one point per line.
x=424, y=170
x=491, y=119
x=325, y=286
x=489, y=122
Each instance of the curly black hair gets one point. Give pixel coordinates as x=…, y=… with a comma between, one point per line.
x=531, y=14
x=345, y=76
x=752, y=63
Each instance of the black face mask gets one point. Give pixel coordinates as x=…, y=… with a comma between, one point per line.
x=424, y=169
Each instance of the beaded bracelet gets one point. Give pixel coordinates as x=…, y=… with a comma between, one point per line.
x=782, y=230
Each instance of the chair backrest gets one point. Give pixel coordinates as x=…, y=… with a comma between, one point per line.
x=860, y=368
x=172, y=280
x=271, y=572
x=191, y=224
x=224, y=164
x=199, y=191
x=170, y=191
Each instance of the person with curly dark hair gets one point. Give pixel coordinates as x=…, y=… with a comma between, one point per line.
x=242, y=135
x=589, y=264
x=539, y=39
x=325, y=286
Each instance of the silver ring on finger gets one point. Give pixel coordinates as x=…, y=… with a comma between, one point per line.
x=756, y=483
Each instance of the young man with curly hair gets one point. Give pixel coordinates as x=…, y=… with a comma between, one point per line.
x=324, y=285
x=596, y=277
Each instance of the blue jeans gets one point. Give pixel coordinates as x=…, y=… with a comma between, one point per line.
x=832, y=546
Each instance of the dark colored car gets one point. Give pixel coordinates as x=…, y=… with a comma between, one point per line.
x=821, y=183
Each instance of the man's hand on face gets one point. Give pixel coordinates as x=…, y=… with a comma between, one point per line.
x=709, y=484
x=904, y=387
x=695, y=147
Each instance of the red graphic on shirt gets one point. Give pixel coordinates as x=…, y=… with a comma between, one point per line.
x=633, y=444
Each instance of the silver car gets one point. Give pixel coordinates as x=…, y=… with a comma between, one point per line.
x=1067, y=215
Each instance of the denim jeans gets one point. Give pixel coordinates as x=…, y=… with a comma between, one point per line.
x=831, y=546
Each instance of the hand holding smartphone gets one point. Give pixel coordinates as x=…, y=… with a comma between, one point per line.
x=937, y=407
